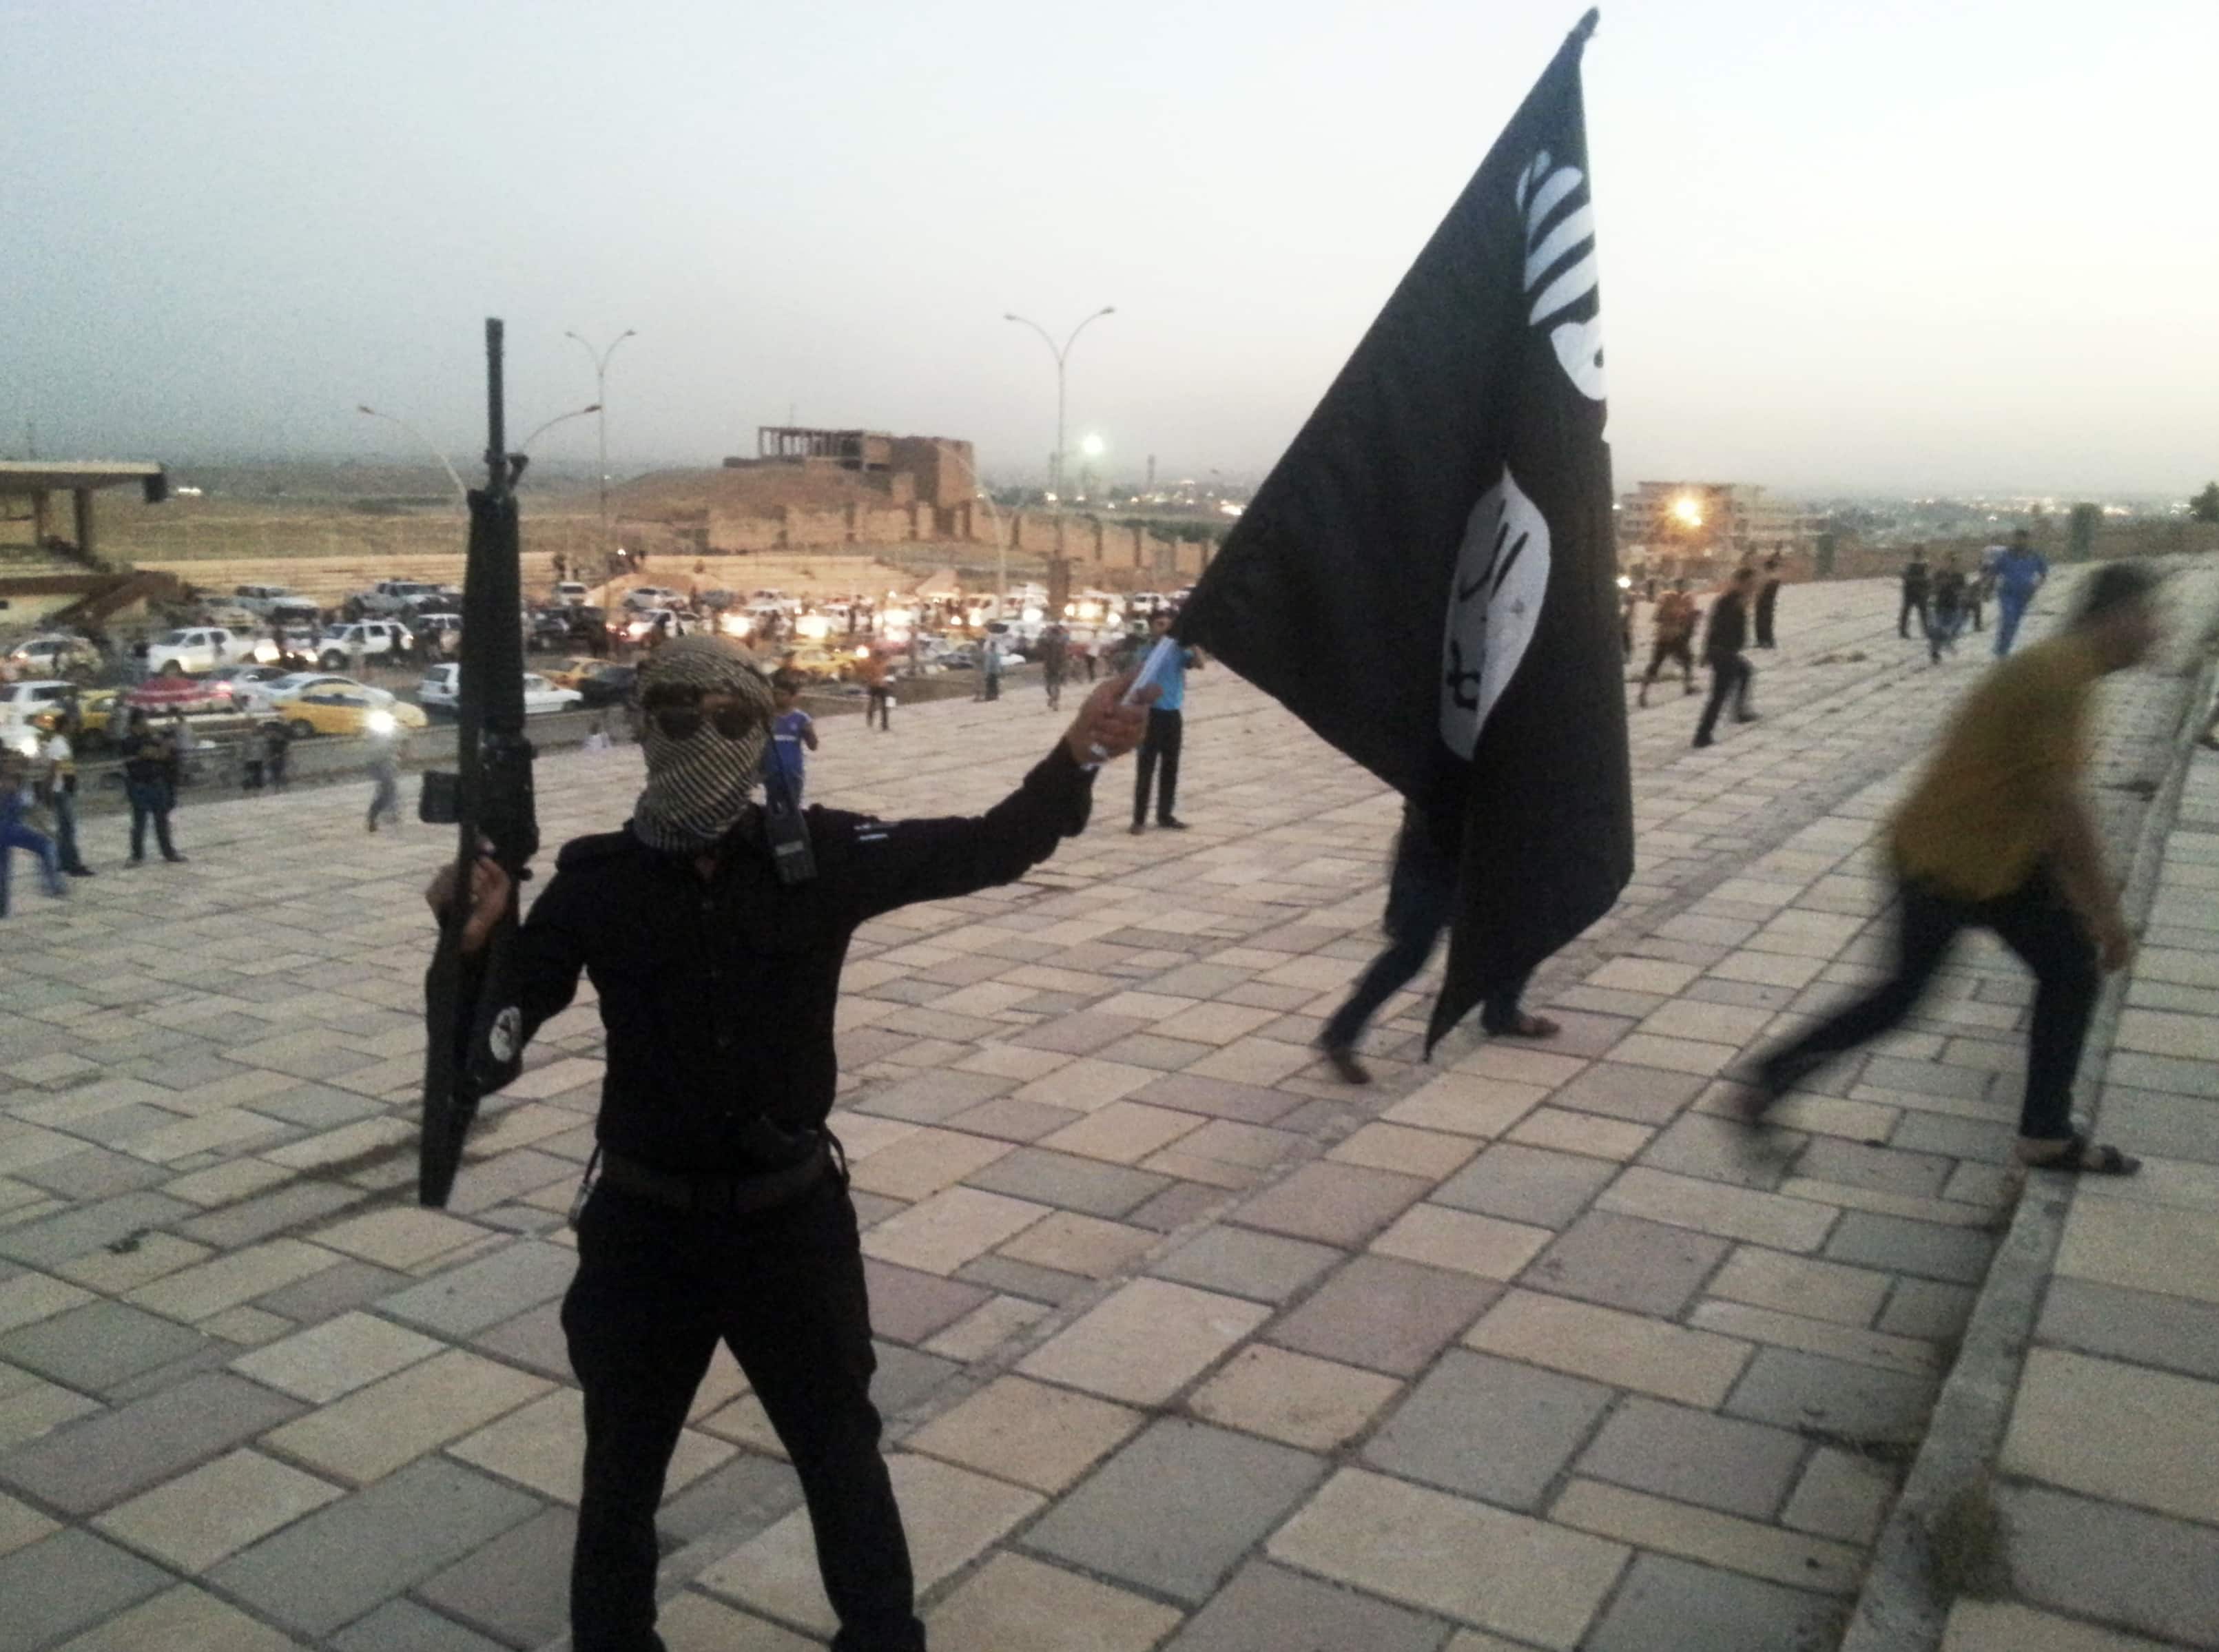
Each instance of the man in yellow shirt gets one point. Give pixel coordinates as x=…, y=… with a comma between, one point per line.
x=1996, y=835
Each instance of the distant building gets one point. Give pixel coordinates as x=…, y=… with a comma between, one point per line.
x=936, y=471
x=1713, y=522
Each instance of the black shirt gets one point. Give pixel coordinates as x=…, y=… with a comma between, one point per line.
x=1729, y=630
x=146, y=759
x=718, y=994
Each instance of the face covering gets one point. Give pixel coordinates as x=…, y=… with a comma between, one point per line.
x=698, y=786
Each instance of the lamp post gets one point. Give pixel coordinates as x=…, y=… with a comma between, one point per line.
x=1061, y=352
x=461, y=492
x=524, y=446
x=601, y=360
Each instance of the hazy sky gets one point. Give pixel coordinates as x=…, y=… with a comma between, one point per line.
x=1872, y=244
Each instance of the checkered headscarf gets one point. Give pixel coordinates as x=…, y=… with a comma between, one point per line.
x=697, y=787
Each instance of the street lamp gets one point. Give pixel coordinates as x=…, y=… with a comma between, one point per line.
x=524, y=446
x=1061, y=352
x=461, y=492
x=601, y=360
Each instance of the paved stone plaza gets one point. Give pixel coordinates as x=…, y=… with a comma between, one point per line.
x=1183, y=1345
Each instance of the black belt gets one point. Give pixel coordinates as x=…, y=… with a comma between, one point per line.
x=717, y=1194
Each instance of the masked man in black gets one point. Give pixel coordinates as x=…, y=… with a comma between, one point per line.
x=722, y=1210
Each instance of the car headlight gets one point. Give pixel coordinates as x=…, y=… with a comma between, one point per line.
x=27, y=744
x=381, y=722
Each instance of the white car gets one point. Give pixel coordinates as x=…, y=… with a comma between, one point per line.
x=396, y=596
x=51, y=656
x=250, y=686
x=441, y=690
x=376, y=638
x=570, y=594
x=294, y=684
x=197, y=649
x=21, y=702
x=650, y=596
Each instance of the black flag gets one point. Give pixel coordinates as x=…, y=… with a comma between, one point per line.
x=1427, y=578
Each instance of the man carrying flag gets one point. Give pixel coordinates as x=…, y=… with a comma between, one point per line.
x=1445, y=514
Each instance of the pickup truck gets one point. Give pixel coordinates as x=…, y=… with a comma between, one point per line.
x=198, y=649
x=272, y=601
x=396, y=596
x=376, y=638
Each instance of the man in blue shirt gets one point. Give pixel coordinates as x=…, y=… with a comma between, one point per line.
x=1164, y=727
x=2019, y=574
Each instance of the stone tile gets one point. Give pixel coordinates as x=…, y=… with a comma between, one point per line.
x=1851, y=1343
x=541, y=1446
x=375, y=1430
x=1724, y=1150
x=20, y=1523
x=184, y=1619
x=1123, y=1132
x=1956, y=1254
x=908, y=1306
x=1385, y=1314
x=1145, y=1342
x=517, y=1588
x=1623, y=1261
x=1695, y=1457
x=57, y=1239
x=1266, y=1267
x=323, y=1363
x=979, y=1333
x=2007, y=1626
x=1713, y=1207
x=34, y=1408
x=694, y=1623
x=1267, y=1608
x=1799, y=1284
x=1467, y=1105
x=102, y=1460
x=926, y=1162
x=946, y=1230
x=1442, y=1554
x=1629, y=1350
x=1001, y=1273
x=1673, y=1605
x=1438, y=1236
x=225, y=1281
x=1800, y=1390
x=1840, y=1495
x=114, y=1272
x=1218, y=1098
x=2121, y=1565
x=1639, y=1095
x=401, y=1625
x=1315, y=1404
x=194, y=1520
x=2116, y=1431
x=736, y=1500
x=1397, y=1147
x=1489, y=1428
x=338, y=1563
x=289, y=1205
x=1068, y=1181
x=1176, y=1509
x=30, y=1297
x=465, y=1301
x=99, y=1345
x=2141, y=1247
x=1081, y=1245
x=66, y=1582
x=1715, y=1539
x=1038, y=1436
x=951, y=1517
x=400, y=1237
x=1644, y=975
x=1013, y=1601
x=1336, y=1204
x=2168, y=1331
x=1568, y=1131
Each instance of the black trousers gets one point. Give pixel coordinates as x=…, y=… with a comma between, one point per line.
x=1730, y=674
x=1911, y=605
x=881, y=706
x=150, y=801
x=1764, y=617
x=656, y=1290
x=1161, y=746
x=2034, y=922
x=1664, y=649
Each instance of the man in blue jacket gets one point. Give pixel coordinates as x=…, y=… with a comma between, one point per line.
x=2019, y=574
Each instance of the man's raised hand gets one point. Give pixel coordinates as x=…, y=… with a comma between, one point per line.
x=1106, y=727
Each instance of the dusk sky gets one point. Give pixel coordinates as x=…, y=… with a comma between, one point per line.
x=1878, y=245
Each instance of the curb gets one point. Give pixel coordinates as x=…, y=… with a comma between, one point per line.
x=1901, y=1607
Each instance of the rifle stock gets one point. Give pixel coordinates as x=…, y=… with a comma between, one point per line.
x=473, y=1027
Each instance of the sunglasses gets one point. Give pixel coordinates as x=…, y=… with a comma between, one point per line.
x=680, y=710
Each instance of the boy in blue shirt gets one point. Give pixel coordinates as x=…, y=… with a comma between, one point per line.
x=2019, y=574
x=790, y=730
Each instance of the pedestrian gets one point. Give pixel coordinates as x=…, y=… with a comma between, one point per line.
x=57, y=753
x=1914, y=592
x=1946, y=611
x=1768, y=601
x=722, y=1212
x=277, y=751
x=16, y=831
x=1999, y=835
x=2020, y=572
x=1980, y=585
x=1090, y=655
x=1629, y=600
x=792, y=734
x=385, y=772
x=1672, y=636
x=1166, y=731
x=871, y=672
x=141, y=651
x=1421, y=902
x=1731, y=673
x=1055, y=663
x=990, y=667
x=148, y=769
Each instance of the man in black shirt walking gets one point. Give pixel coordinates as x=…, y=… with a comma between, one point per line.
x=1914, y=592
x=1722, y=651
x=722, y=1210
x=150, y=773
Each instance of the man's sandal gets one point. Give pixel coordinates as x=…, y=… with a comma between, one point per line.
x=2084, y=1158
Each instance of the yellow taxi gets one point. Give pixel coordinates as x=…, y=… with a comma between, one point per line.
x=817, y=661
x=330, y=709
x=97, y=709
x=574, y=671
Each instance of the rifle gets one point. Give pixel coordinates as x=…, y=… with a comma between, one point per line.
x=475, y=1027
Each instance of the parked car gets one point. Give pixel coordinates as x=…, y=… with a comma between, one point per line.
x=569, y=673
x=160, y=696
x=348, y=711
x=55, y=654
x=198, y=649
x=263, y=599
x=376, y=638
x=396, y=596
x=95, y=712
x=548, y=628
x=249, y=685
x=606, y=685
x=642, y=625
x=570, y=594
x=289, y=687
x=651, y=596
x=440, y=689
x=23, y=702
